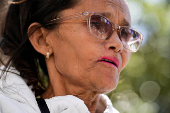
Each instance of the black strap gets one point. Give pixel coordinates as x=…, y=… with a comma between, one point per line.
x=42, y=105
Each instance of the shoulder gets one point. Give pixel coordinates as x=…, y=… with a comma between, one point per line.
x=109, y=107
x=15, y=93
x=73, y=104
x=66, y=104
x=8, y=105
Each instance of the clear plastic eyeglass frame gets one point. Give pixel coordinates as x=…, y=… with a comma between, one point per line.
x=133, y=44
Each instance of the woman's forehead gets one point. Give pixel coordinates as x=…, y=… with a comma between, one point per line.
x=104, y=5
x=114, y=7
x=90, y=4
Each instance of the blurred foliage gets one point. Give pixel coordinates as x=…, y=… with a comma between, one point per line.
x=144, y=85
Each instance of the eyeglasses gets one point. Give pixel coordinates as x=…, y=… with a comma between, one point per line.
x=101, y=27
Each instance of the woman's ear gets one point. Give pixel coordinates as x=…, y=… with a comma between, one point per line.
x=38, y=40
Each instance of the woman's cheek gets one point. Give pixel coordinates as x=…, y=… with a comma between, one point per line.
x=125, y=58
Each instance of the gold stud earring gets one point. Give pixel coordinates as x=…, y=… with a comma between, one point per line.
x=48, y=55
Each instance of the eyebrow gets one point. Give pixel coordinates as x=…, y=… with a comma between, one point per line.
x=106, y=14
x=124, y=21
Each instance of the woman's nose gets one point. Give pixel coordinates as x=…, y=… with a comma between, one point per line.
x=114, y=43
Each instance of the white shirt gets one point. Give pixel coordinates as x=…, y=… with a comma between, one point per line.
x=17, y=97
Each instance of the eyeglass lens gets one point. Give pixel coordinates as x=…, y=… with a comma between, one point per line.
x=102, y=28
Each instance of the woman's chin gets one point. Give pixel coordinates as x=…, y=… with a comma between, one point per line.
x=108, y=86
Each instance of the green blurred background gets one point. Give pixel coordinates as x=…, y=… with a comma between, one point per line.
x=144, y=85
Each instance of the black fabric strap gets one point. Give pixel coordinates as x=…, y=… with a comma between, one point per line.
x=42, y=105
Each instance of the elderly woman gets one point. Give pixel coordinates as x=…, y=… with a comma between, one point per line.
x=81, y=45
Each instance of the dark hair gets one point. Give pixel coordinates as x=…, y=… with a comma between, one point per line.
x=14, y=40
x=3, y=8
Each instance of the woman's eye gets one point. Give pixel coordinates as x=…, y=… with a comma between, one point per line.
x=135, y=35
x=96, y=25
x=126, y=34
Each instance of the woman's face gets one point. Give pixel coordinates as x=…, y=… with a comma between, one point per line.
x=82, y=59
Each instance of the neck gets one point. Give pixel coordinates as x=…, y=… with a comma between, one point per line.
x=60, y=86
x=91, y=99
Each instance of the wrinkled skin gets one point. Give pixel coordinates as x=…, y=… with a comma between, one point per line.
x=74, y=53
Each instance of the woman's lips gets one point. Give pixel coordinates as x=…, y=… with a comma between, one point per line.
x=110, y=60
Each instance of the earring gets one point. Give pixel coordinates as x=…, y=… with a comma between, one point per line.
x=48, y=55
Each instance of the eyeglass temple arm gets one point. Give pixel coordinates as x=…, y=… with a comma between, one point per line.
x=57, y=20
